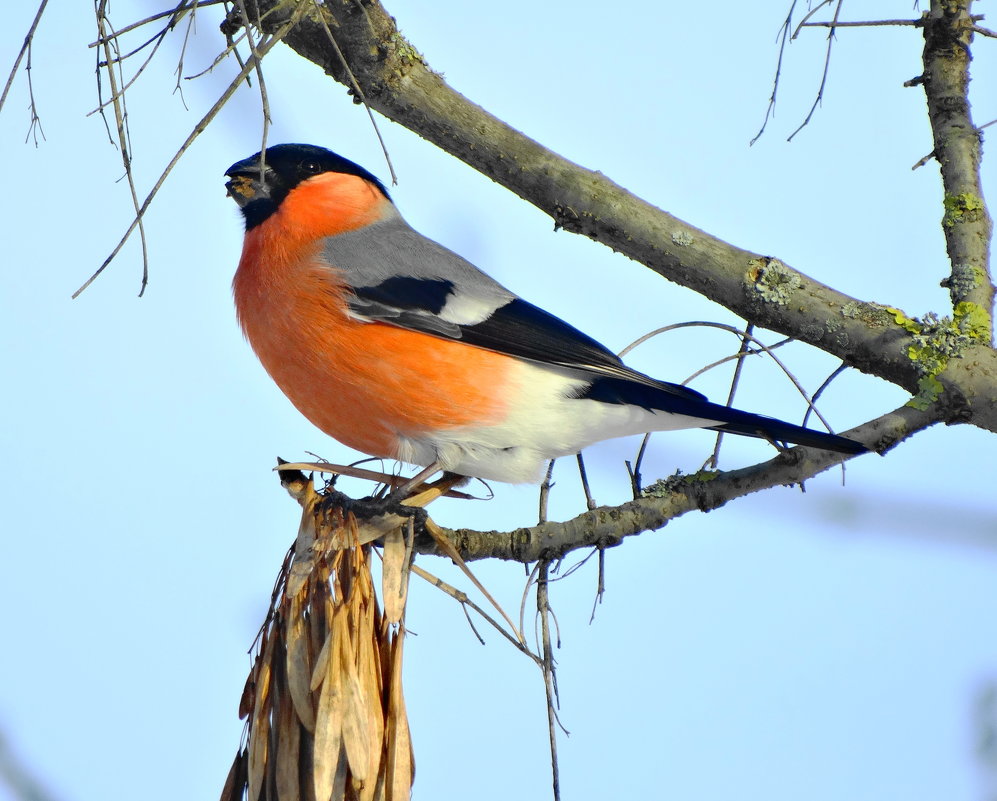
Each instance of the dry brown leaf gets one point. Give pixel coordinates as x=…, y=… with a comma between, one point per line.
x=286, y=755
x=356, y=734
x=321, y=668
x=369, y=674
x=400, y=759
x=328, y=729
x=259, y=722
x=299, y=672
x=340, y=777
x=394, y=575
x=236, y=779
x=356, y=737
x=248, y=694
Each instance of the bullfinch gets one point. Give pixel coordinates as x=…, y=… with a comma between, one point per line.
x=399, y=348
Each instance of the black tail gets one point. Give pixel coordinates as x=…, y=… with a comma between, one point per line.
x=756, y=425
x=676, y=399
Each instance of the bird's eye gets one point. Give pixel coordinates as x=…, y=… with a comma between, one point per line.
x=310, y=167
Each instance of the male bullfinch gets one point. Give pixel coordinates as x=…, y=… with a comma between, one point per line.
x=398, y=347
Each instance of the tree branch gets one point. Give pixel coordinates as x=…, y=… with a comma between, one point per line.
x=397, y=82
x=608, y=525
x=948, y=32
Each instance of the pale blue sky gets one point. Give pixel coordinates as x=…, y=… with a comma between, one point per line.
x=819, y=646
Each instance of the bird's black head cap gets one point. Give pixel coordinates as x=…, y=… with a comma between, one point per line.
x=260, y=188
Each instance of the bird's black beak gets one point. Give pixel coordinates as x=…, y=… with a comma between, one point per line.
x=248, y=181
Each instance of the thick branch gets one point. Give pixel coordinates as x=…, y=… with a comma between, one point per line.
x=607, y=526
x=948, y=32
x=397, y=83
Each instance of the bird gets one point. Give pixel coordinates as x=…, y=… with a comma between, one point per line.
x=398, y=347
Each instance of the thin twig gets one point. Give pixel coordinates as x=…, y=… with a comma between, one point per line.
x=741, y=355
x=589, y=500
x=191, y=22
x=356, y=88
x=119, y=59
x=230, y=47
x=739, y=333
x=258, y=68
x=35, y=126
x=448, y=548
x=550, y=682
x=23, y=51
x=823, y=78
x=735, y=380
x=463, y=599
x=121, y=126
x=820, y=390
x=635, y=472
x=530, y=578
x=263, y=48
x=600, y=589
x=153, y=18
x=784, y=37
x=867, y=24
x=545, y=492
x=808, y=15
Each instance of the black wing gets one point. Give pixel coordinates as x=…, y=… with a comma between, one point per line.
x=517, y=328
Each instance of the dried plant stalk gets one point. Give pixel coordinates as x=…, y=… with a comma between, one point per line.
x=324, y=702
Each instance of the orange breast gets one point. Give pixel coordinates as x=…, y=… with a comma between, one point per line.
x=364, y=384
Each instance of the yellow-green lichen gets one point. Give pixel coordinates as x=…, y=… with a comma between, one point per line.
x=935, y=340
x=973, y=319
x=404, y=49
x=907, y=323
x=664, y=487
x=964, y=207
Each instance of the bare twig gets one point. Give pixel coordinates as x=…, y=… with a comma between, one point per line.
x=739, y=355
x=462, y=598
x=262, y=49
x=121, y=126
x=191, y=22
x=545, y=492
x=356, y=88
x=25, y=48
x=635, y=477
x=231, y=43
x=820, y=390
x=600, y=589
x=735, y=380
x=35, y=126
x=550, y=680
x=258, y=69
x=135, y=25
x=823, y=79
x=583, y=475
x=784, y=38
x=809, y=14
x=867, y=24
